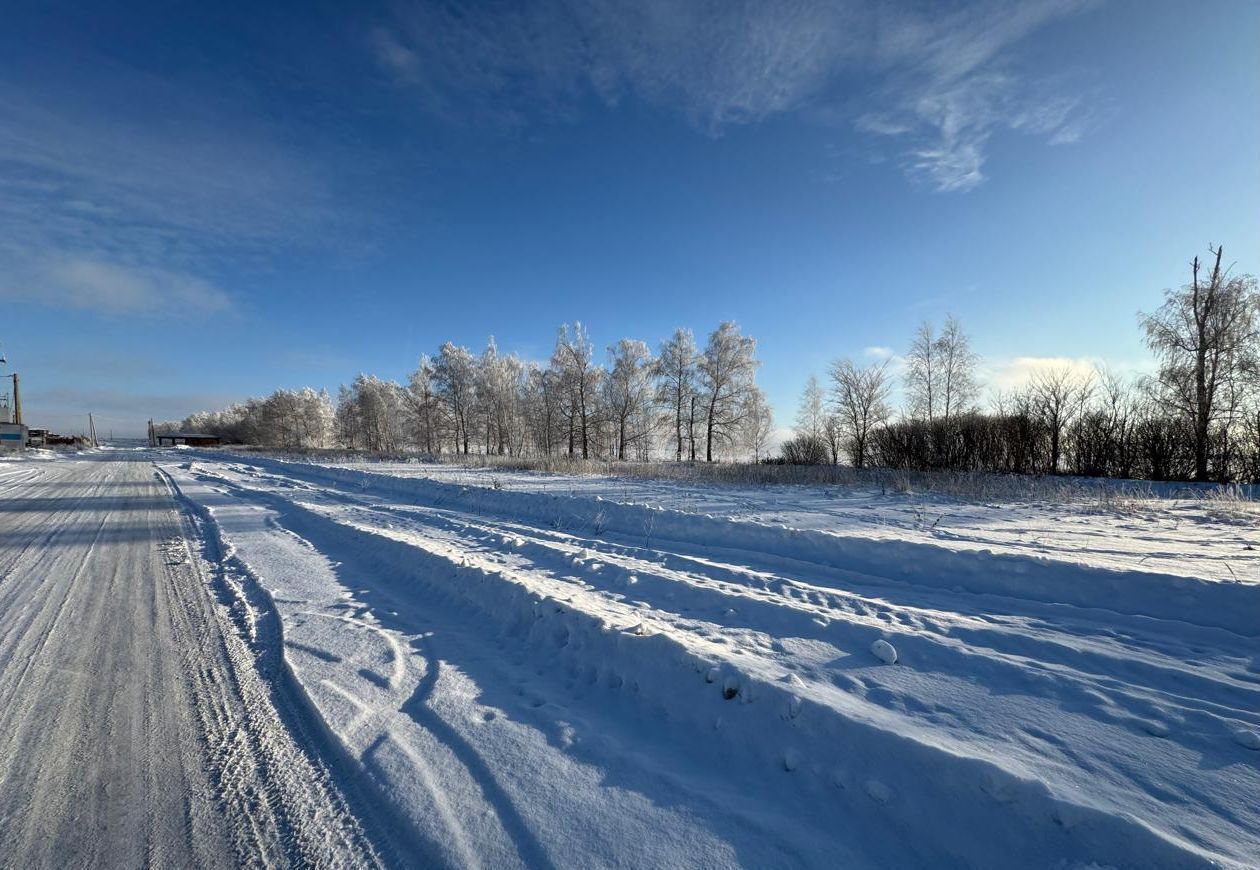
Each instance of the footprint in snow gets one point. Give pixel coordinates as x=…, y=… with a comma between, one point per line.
x=877, y=791
x=1246, y=738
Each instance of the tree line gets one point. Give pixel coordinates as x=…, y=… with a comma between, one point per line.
x=1196, y=418
x=683, y=401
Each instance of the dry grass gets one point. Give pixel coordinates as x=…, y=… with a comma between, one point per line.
x=1232, y=503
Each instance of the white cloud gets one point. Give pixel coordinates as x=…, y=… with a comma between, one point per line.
x=878, y=352
x=1013, y=374
x=93, y=285
x=941, y=80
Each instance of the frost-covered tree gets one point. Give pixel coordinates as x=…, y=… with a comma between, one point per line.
x=727, y=376
x=373, y=408
x=544, y=405
x=573, y=359
x=498, y=393
x=295, y=418
x=455, y=383
x=676, y=387
x=628, y=392
x=423, y=408
x=758, y=426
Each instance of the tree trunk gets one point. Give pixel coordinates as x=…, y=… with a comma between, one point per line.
x=678, y=427
x=708, y=431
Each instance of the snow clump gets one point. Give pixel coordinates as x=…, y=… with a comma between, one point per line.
x=884, y=651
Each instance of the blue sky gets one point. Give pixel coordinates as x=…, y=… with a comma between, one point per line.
x=200, y=202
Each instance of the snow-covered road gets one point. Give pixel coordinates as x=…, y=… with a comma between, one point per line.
x=136, y=727
x=539, y=680
x=209, y=660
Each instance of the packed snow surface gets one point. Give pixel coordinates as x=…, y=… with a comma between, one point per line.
x=525, y=670
x=137, y=727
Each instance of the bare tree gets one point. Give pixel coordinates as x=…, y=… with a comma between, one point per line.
x=923, y=374
x=833, y=437
x=860, y=398
x=956, y=364
x=758, y=425
x=1057, y=396
x=727, y=370
x=811, y=415
x=1205, y=337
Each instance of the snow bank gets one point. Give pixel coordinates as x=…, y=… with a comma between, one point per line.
x=1233, y=607
x=851, y=762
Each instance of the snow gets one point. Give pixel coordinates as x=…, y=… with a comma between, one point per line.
x=884, y=651
x=137, y=727
x=1168, y=528
x=593, y=672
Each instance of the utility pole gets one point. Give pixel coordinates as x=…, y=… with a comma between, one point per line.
x=152, y=439
x=17, y=401
x=92, y=429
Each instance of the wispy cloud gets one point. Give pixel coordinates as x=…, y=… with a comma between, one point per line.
x=950, y=84
x=940, y=82
x=124, y=203
x=87, y=284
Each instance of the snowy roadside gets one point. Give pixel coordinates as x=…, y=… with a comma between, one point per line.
x=577, y=682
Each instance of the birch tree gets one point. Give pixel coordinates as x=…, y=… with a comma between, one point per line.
x=573, y=358
x=727, y=372
x=758, y=425
x=628, y=391
x=676, y=386
x=923, y=376
x=811, y=415
x=956, y=364
x=454, y=377
x=1205, y=338
x=423, y=407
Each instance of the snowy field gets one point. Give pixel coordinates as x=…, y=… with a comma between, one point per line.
x=531, y=670
x=1187, y=532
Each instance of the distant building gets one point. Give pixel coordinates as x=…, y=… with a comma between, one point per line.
x=12, y=436
x=191, y=439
